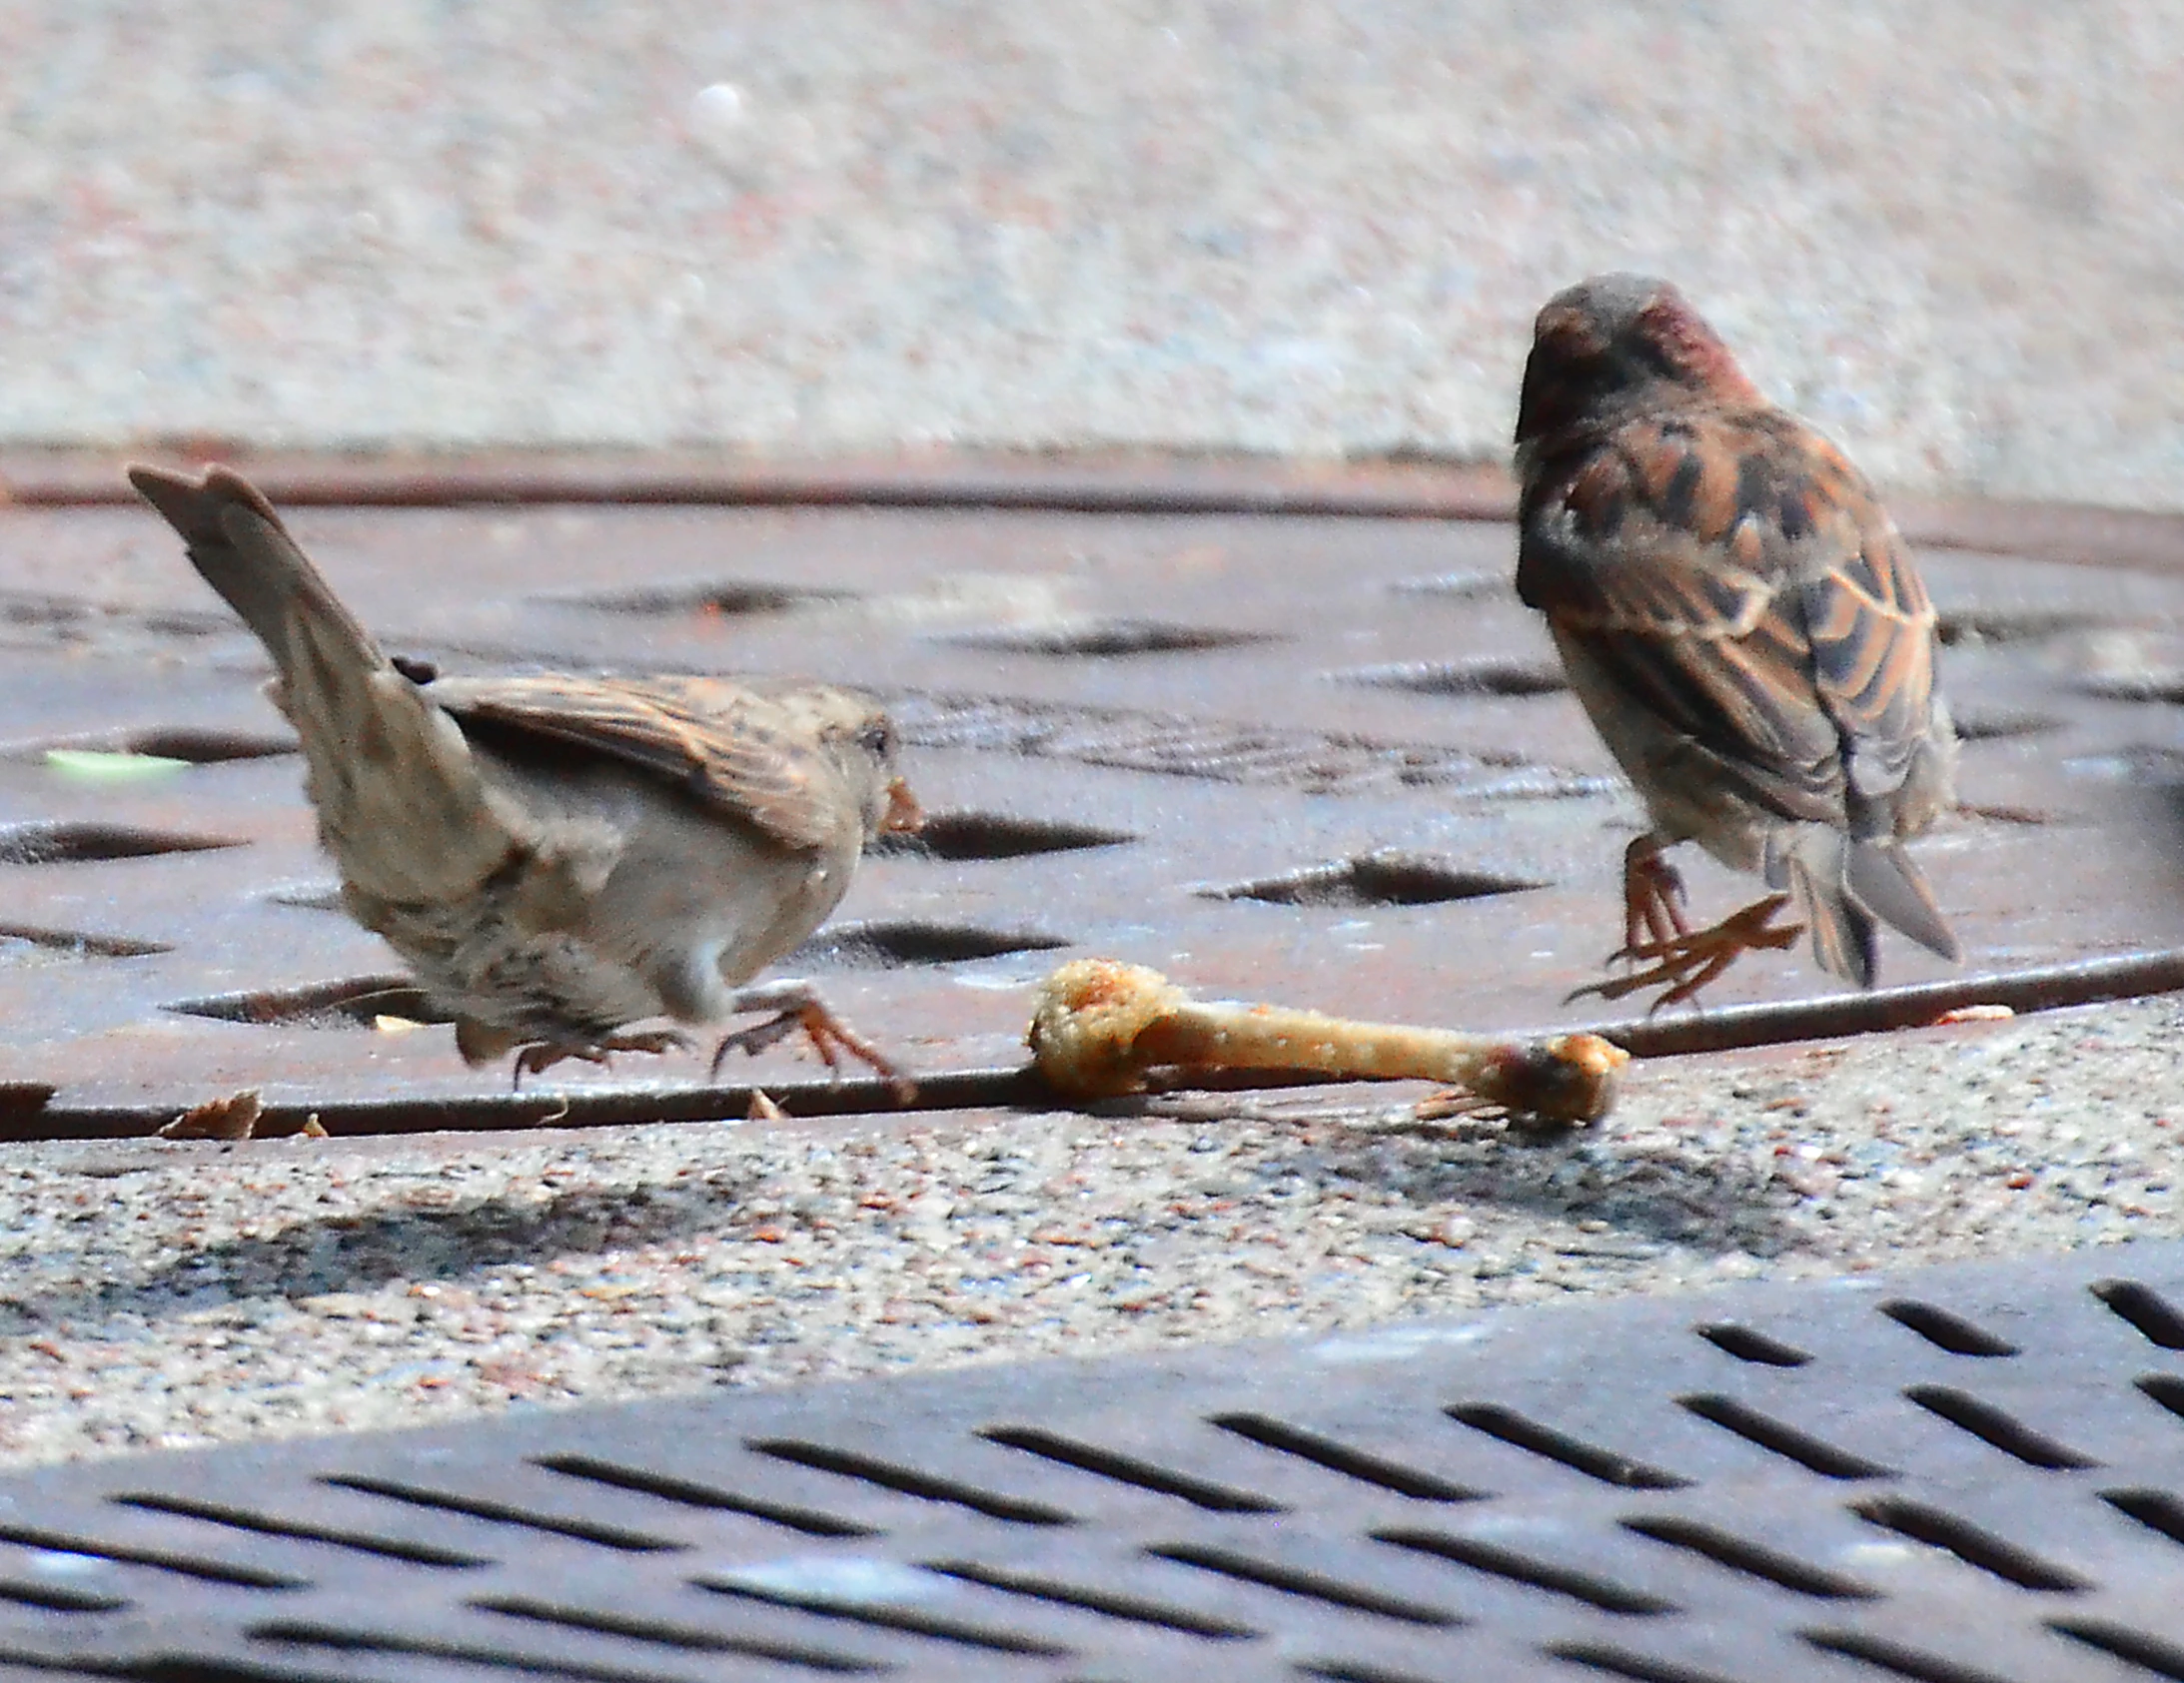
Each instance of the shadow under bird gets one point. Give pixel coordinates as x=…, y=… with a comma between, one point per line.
x=1745, y=628
x=560, y=857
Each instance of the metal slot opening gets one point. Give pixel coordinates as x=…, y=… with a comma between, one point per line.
x=165, y=742
x=2157, y=1510
x=1112, y=1603
x=891, y=946
x=1969, y=1543
x=1313, y=1585
x=53, y=1598
x=353, y=1004
x=350, y=1641
x=1375, y=879
x=2005, y=1431
x=890, y=1475
x=1976, y=625
x=1997, y=724
x=672, y=1635
x=1339, y=1457
x=1749, y=1345
x=729, y=600
x=1105, y=638
x=1945, y=1330
x=79, y=844
x=1351, y=1671
x=165, y=1560
x=1814, y=1454
x=886, y=1616
x=1593, y=1591
x=1726, y=1548
x=1461, y=678
x=692, y=1494
x=1607, y=1465
x=993, y=835
x=1127, y=1469
x=1904, y=1661
x=2165, y=1388
x=79, y=944
x=266, y=1524
x=2163, y=1659
x=502, y=1514
x=2145, y=1309
x=1620, y=1662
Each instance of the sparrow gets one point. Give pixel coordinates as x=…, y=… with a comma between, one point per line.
x=1743, y=625
x=560, y=857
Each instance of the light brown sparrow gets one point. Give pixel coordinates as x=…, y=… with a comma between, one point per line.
x=1744, y=628
x=560, y=857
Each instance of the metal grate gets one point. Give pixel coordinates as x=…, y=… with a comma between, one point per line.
x=1964, y=1474
x=1320, y=756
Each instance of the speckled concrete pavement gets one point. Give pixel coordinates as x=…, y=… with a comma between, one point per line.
x=1951, y=233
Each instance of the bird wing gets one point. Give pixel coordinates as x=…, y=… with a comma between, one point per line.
x=1736, y=576
x=729, y=746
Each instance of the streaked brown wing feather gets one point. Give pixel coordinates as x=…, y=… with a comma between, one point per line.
x=725, y=744
x=1736, y=576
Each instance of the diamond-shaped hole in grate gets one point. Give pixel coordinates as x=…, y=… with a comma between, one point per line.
x=2157, y=1510
x=1970, y=1543
x=1293, y=1580
x=1974, y=627
x=1113, y=1604
x=910, y=1481
x=504, y=1513
x=894, y=945
x=1376, y=879
x=1502, y=1562
x=1998, y=1427
x=1749, y=1345
x=1105, y=638
x=1753, y=1560
x=2145, y=1309
x=1944, y=1329
x=671, y=1635
x=690, y=1493
x=1129, y=1469
x=1516, y=678
x=993, y=835
x=266, y=1524
x=1608, y=1465
x=63, y=843
x=1287, y=1439
x=55, y=1598
x=353, y=1003
x=1995, y=724
x=1815, y=1454
x=2164, y=1389
x=724, y=599
x=347, y=1639
x=189, y=743
x=80, y=944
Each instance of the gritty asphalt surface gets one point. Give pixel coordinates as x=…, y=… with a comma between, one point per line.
x=167, y=1294
x=1953, y=236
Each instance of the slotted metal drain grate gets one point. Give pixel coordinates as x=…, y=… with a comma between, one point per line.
x=1956, y=1475
x=1318, y=752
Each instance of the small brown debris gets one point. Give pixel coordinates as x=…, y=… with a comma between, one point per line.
x=232, y=1117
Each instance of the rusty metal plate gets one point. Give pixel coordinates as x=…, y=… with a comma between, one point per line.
x=1962, y=1475
x=1320, y=758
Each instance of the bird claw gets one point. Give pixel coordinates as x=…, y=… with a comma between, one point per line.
x=1687, y=961
x=542, y=1055
x=830, y=1036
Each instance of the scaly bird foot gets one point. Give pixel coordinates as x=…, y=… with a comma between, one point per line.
x=802, y=1010
x=542, y=1055
x=1687, y=962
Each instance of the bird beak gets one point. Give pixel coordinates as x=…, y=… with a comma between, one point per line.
x=903, y=812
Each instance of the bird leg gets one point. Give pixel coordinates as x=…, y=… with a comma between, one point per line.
x=1652, y=899
x=1689, y=959
x=798, y=1007
x=542, y=1054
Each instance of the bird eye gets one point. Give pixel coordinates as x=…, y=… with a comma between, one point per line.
x=878, y=739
